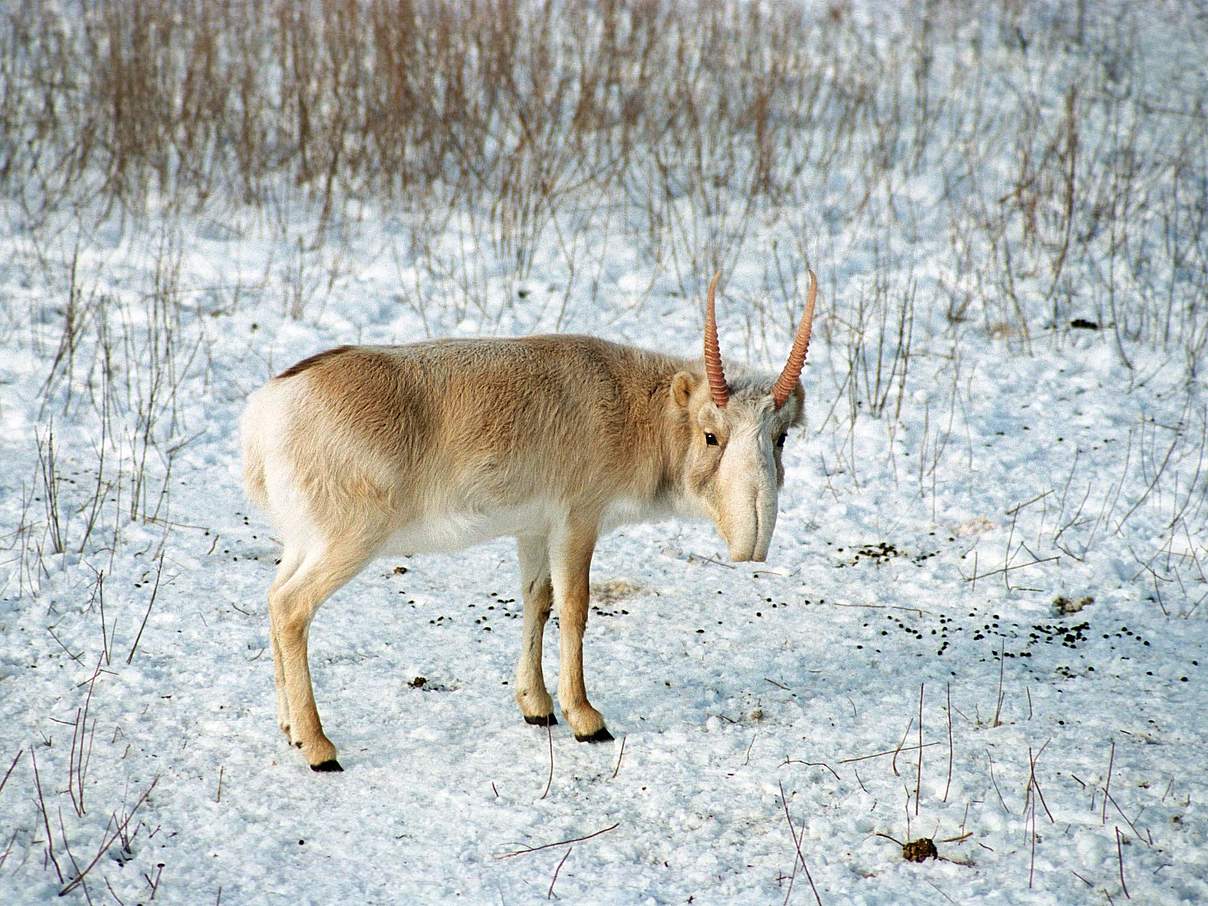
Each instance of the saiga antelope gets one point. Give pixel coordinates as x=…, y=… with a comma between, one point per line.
x=364, y=451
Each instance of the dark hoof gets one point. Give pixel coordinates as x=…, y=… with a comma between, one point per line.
x=601, y=735
x=541, y=720
x=330, y=765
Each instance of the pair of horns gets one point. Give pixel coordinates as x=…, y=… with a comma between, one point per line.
x=784, y=385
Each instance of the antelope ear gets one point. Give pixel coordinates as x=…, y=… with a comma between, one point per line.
x=682, y=386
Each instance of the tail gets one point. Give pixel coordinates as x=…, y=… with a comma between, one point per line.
x=254, y=483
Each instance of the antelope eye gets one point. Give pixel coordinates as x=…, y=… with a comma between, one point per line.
x=781, y=439
x=711, y=439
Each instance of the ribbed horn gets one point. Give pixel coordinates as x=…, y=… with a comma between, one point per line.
x=801, y=343
x=717, y=378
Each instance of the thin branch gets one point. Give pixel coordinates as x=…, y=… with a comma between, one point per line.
x=16, y=758
x=1006, y=569
x=948, y=785
x=747, y=760
x=549, y=894
x=550, y=780
x=533, y=849
x=812, y=764
x=50, y=846
x=1001, y=666
x=118, y=831
x=994, y=780
x=1120, y=857
x=894, y=764
x=621, y=755
x=71, y=856
x=887, y=752
x=1111, y=760
x=1128, y=820
x=797, y=845
x=918, y=781
x=154, y=591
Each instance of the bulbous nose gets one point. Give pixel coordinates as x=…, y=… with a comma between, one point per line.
x=747, y=516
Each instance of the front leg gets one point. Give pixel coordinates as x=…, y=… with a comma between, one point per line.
x=570, y=567
x=531, y=694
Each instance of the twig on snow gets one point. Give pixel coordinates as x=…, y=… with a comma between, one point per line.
x=50, y=845
x=549, y=894
x=894, y=764
x=620, y=755
x=797, y=846
x=120, y=830
x=886, y=752
x=918, y=780
x=994, y=780
x=948, y=785
x=1111, y=760
x=811, y=764
x=154, y=591
x=550, y=780
x=16, y=758
x=1120, y=857
x=533, y=849
x=998, y=703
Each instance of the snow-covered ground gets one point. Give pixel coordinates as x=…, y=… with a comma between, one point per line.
x=983, y=620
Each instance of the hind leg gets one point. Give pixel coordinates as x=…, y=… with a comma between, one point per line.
x=292, y=605
x=291, y=559
x=531, y=695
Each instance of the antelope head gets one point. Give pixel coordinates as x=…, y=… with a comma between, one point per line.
x=736, y=432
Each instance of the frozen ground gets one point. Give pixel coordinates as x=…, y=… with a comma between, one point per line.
x=911, y=595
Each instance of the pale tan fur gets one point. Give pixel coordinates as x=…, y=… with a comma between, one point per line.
x=365, y=451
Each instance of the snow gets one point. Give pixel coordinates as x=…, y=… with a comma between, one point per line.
x=915, y=557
